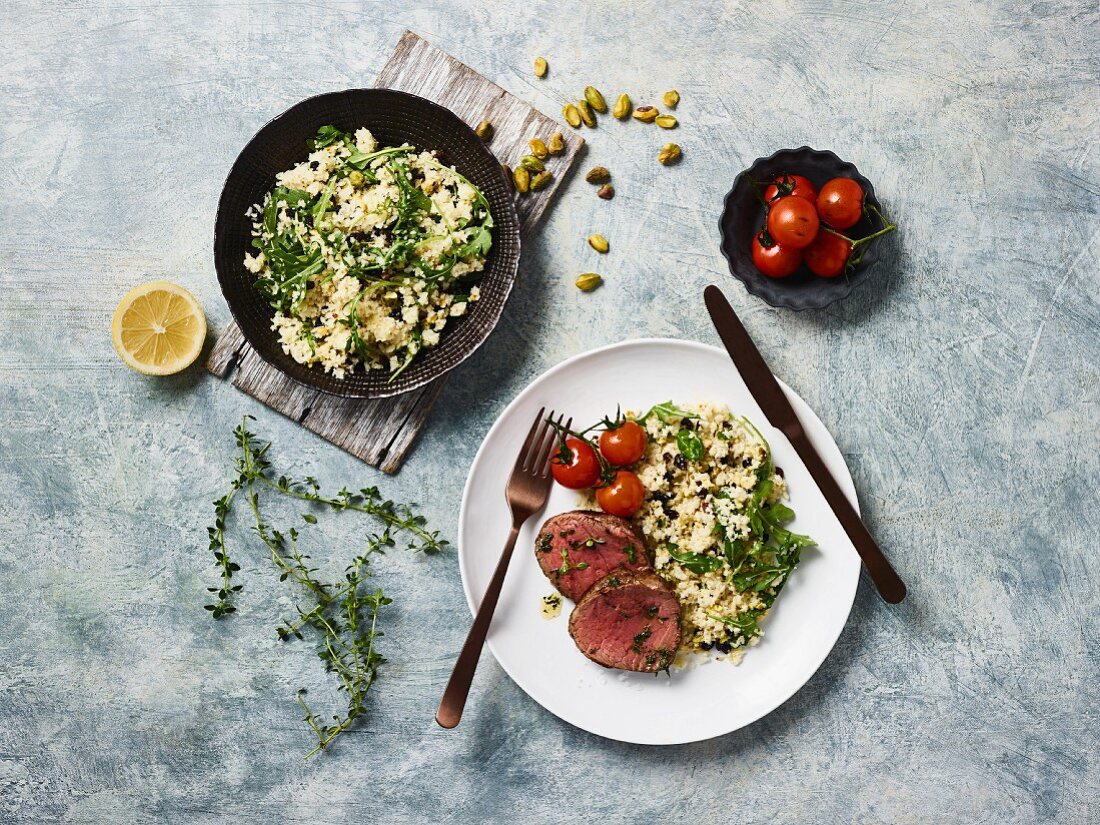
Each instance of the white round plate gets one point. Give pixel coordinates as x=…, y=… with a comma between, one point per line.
x=694, y=703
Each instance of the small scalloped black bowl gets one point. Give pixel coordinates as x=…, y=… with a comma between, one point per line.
x=743, y=216
x=394, y=118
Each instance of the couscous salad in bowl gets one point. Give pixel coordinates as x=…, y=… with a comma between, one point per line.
x=366, y=242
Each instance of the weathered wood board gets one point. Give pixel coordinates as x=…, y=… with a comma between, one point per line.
x=381, y=432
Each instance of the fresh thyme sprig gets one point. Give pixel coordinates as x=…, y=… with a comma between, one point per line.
x=344, y=614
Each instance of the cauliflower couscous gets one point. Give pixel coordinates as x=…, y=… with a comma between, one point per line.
x=365, y=253
x=713, y=516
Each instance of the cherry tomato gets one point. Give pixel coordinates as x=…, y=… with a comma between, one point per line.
x=840, y=203
x=623, y=445
x=775, y=261
x=793, y=222
x=582, y=469
x=798, y=186
x=623, y=496
x=828, y=255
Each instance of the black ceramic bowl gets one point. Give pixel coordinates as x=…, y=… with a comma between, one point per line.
x=394, y=118
x=743, y=217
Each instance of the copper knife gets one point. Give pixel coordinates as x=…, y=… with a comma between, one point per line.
x=764, y=388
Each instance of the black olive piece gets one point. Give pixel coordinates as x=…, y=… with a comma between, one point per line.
x=746, y=462
x=670, y=512
x=706, y=645
x=779, y=472
x=667, y=456
x=686, y=424
x=724, y=647
x=680, y=462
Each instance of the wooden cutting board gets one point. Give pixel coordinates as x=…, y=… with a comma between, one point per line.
x=381, y=432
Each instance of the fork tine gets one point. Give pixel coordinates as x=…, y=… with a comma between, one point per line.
x=533, y=436
x=531, y=463
x=541, y=467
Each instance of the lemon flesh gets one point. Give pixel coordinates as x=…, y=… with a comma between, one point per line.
x=158, y=328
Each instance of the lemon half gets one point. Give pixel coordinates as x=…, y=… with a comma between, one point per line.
x=158, y=328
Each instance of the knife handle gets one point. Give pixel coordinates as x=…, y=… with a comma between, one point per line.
x=886, y=579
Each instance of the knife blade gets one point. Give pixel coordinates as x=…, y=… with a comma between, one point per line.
x=768, y=394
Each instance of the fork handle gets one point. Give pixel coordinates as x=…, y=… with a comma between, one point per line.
x=458, y=688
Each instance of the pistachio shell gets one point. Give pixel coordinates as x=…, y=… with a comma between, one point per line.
x=485, y=130
x=538, y=148
x=669, y=154
x=646, y=114
x=588, y=281
x=595, y=99
x=599, y=243
x=607, y=192
x=622, y=107
x=598, y=174
x=585, y=108
x=557, y=144
x=541, y=67
x=540, y=180
x=531, y=163
x=572, y=115
x=671, y=98
x=666, y=121
x=522, y=178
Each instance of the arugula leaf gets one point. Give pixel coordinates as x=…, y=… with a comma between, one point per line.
x=691, y=446
x=479, y=243
x=327, y=135
x=695, y=562
x=747, y=623
x=666, y=411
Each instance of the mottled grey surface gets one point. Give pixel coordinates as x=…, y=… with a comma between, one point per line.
x=962, y=388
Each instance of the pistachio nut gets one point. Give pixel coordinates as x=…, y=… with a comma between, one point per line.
x=598, y=174
x=622, y=107
x=522, y=179
x=646, y=114
x=572, y=115
x=671, y=98
x=540, y=180
x=607, y=192
x=585, y=108
x=485, y=130
x=670, y=153
x=595, y=99
x=557, y=144
x=541, y=67
x=538, y=148
x=588, y=281
x=666, y=121
x=531, y=163
x=599, y=243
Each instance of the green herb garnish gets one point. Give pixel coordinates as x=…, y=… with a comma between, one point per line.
x=343, y=615
x=691, y=446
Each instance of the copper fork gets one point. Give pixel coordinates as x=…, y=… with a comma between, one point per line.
x=527, y=491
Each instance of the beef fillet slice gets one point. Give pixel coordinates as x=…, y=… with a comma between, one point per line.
x=628, y=621
x=578, y=548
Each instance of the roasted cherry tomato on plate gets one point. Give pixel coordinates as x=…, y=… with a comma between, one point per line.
x=624, y=444
x=575, y=466
x=795, y=185
x=828, y=255
x=774, y=260
x=793, y=222
x=840, y=203
x=622, y=496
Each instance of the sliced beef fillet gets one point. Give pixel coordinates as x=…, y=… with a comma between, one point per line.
x=628, y=621
x=578, y=548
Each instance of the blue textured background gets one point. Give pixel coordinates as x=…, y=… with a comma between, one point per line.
x=962, y=388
